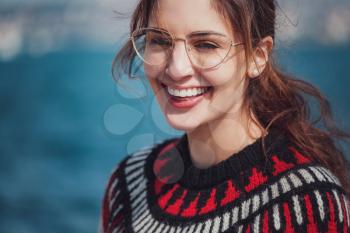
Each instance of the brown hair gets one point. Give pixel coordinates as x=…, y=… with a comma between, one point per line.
x=276, y=99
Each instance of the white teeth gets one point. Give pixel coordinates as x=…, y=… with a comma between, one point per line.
x=186, y=92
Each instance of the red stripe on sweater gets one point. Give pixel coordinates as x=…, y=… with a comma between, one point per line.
x=248, y=229
x=106, y=200
x=265, y=227
x=257, y=178
x=168, y=147
x=280, y=166
x=210, y=205
x=289, y=226
x=332, y=227
x=105, y=213
x=158, y=164
x=299, y=157
x=311, y=226
x=342, y=201
x=174, y=209
x=191, y=210
x=231, y=194
x=163, y=200
x=117, y=221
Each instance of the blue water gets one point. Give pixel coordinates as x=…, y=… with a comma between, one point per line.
x=58, y=147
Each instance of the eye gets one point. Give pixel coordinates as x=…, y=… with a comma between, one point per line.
x=206, y=45
x=160, y=41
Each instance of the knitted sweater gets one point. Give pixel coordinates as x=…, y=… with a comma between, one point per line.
x=158, y=189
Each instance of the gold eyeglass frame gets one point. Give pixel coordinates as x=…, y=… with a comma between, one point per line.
x=187, y=48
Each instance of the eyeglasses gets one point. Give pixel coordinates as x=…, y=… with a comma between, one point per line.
x=205, y=50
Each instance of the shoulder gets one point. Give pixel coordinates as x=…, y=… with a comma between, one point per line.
x=125, y=176
x=129, y=166
x=316, y=201
x=132, y=162
x=307, y=198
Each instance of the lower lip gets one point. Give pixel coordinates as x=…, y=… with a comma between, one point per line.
x=187, y=102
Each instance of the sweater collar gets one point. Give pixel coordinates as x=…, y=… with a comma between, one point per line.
x=234, y=166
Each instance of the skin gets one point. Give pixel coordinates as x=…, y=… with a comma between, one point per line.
x=219, y=125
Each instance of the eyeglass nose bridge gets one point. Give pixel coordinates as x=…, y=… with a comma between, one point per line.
x=187, y=47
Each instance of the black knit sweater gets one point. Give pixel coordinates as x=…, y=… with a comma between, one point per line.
x=158, y=189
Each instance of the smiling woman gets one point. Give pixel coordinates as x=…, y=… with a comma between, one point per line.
x=251, y=158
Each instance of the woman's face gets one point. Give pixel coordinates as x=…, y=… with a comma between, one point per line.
x=227, y=81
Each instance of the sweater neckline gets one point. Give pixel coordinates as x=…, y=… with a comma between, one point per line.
x=234, y=166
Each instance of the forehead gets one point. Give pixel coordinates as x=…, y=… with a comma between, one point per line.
x=182, y=17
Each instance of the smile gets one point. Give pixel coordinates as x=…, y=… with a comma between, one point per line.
x=189, y=92
x=185, y=92
x=186, y=97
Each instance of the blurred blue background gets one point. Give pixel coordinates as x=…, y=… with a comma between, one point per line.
x=65, y=123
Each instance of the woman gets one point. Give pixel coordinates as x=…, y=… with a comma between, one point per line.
x=251, y=159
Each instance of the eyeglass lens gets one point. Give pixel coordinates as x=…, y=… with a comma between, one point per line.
x=204, y=50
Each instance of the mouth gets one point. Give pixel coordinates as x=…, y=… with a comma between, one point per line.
x=186, y=93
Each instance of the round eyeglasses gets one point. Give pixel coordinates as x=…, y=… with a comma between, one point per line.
x=205, y=49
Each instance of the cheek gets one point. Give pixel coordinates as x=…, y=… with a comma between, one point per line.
x=153, y=74
x=226, y=76
x=232, y=71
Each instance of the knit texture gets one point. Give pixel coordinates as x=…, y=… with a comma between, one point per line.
x=158, y=189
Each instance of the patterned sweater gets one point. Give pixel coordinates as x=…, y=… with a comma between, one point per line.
x=158, y=189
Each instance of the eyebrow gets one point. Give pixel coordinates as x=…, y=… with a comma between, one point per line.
x=198, y=33
x=206, y=33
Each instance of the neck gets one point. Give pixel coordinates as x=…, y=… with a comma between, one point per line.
x=214, y=142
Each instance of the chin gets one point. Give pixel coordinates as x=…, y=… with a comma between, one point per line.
x=179, y=123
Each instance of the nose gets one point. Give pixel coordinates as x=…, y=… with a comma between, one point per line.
x=179, y=65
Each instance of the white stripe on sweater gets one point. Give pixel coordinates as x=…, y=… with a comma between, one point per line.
x=138, y=199
x=130, y=179
x=159, y=228
x=191, y=228
x=111, y=189
x=216, y=226
x=256, y=202
x=166, y=229
x=306, y=175
x=274, y=190
x=207, y=226
x=320, y=204
x=140, y=208
x=150, y=227
x=172, y=229
x=178, y=229
x=331, y=178
x=245, y=207
x=276, y=217
x=131, y=168
x=139, y=189
x=143, y=222
x=199, y=228
x=136, y=222
x=265, y=196
x=226, y=222
x=295, y=180
x=284, y=184
x=185, y=229
x=318, y=174
x=256, y=226
x=234, y=215
x=297, y=209
x=340, y=211
x=113, y=199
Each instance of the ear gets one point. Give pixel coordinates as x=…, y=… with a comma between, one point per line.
x=260, y=57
